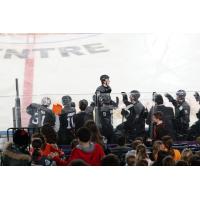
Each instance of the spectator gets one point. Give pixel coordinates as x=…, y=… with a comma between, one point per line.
x=161, y=155
x=85, y=114
x=181, y=163
x=141, y=154
x=121, y=150
x=110, y=160
x=168, y=161
x=37, y=157
x=96, y=136
x=89, y=152
x=16, y=153
x=50, y=134
x=131, y=158
x=159, y=129
x=168, y=142
x=186, y=155
x=46, y=148
x=135, y=143
x=157, y=146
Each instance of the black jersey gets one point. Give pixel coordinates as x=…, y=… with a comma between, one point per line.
x=40, y=115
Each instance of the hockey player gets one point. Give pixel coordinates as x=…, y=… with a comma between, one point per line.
x=40, y=114
x=66, y=131
x=135, y=114
x=168, y=115
x=182, y=113
x=86, y=113
x=104, y=106
x=194, y=130
x=105, y=85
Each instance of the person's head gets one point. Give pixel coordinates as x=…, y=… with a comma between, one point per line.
x=194, y=160
x=46, y=101
x=39, y=136
x=95, y=133
x=167, y=141
x=158, y=117
x=180, y=96
x=83, y=104
x=131, y=160
x=110, y=160
x=186, y=154
x=121, y=141
x=78, y=162
x=135, y=143
x=142, y=162
x=161, y=155
x=158, y=99
x=181, y=163
x=66, y=100
x=105, y=80
x=141, y=152
x=134, y=96
x=157, y=146
x=83, y=135
x=168, y=161
x=37, y=146
x=21, y=138
x=49, y=133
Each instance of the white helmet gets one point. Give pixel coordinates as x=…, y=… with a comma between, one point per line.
x=46, y=101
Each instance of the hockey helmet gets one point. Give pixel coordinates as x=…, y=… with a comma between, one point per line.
x=135, y=95
x=46, y=101
x=104, y=77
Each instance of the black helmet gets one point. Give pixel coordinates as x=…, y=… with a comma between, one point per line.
x=104, y=77
x=181, y=94
x=66, y=100
x=135, y=94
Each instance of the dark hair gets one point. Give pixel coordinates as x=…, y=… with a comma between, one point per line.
x=96, y=136
x=37, y=145
x=83, y=104
x=181, y=163
x=49, y=133
x=159, y=99
x=142, y=162
x=121, y=141
x=168, y=161
x=21, y=138
x=78, y=162
x=158, y=115
x=110, y=160
x=84, y=134
x=168, y=142
x=161, y=155
x=39, y=135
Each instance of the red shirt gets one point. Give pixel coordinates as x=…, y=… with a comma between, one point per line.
x=91, y=157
